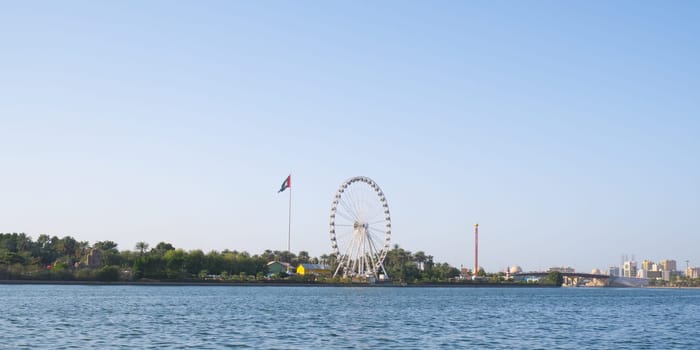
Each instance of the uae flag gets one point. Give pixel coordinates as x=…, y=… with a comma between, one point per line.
x=286, y=184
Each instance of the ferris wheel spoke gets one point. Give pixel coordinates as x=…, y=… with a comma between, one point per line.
x=377, y=222
x=364, y=204
x=359, y=205
x=377, y=231
x=344, y=230
x=377, y=227
x=376, y=214
x=343, y=237
x=375, y=238
x=343, y=242
x=348, y=209
x=345, y=216
x=352, y=202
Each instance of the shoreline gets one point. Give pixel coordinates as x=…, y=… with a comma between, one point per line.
x=270, y=284
x=298, y=284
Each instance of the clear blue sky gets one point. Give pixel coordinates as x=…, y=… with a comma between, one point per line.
x=568, y=130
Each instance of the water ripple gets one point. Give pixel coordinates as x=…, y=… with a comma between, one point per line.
x=156, y=317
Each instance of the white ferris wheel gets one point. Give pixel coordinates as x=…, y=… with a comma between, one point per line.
x=360, y=228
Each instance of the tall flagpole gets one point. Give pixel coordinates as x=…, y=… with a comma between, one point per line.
x=289, y=228
x=287, y=184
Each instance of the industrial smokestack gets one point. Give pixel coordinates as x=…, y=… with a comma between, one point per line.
x=476, y=249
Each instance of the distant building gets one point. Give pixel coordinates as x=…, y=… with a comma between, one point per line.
x=629, y=269
x=692, y=272
x=562, y=269
x=94, y=259
x=274, y=267
x=654, y=274
x=647, y=265
x=668, y=265
x=313, y=269
x=666, y=275
x=614, y=271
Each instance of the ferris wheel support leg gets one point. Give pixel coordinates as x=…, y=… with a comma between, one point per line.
x=386, y=275
x=340, y=264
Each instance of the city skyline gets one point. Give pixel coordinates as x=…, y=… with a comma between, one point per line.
x=567, y=131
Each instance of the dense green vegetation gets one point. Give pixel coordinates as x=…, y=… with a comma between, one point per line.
x=65, y=258
x=416, y=267
x=554, y=278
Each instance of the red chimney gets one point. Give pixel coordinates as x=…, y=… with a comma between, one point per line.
x=476, y=249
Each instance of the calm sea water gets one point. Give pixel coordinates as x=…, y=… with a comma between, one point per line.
x=149, y=317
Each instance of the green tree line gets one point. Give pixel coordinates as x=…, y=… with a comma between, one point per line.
x=404, y=266
x=65, y=258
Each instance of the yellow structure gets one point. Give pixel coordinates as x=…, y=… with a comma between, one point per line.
x=313, y=269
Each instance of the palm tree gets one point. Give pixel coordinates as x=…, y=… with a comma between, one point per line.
x=420, y=259
x=303, y=257
x=268, y=255
x=141, y=247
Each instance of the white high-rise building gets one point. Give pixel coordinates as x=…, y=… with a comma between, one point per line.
x=629, y=269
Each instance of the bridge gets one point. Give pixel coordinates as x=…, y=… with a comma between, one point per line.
x=573, y=279
x=577, y=279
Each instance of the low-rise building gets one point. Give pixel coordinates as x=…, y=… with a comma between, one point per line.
x=464, y=273
x=274, y=267
x=668, y=275
x=654, y=274
x=313, y=269
x=562, y=269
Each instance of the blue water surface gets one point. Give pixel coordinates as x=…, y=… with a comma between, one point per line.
x=272, y=317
